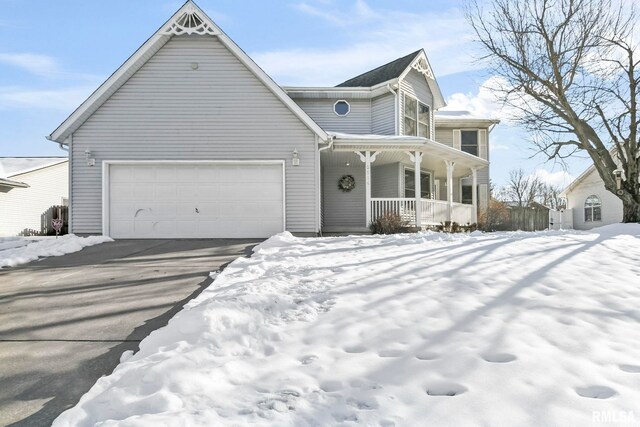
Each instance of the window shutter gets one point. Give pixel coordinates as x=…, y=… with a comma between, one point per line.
x=483, y=197
x=457, y=139
x=482, y=144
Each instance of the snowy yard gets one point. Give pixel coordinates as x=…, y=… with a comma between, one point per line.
x=21, y=250
x=506, y=329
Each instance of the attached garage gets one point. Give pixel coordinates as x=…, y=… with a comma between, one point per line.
x=193, y=199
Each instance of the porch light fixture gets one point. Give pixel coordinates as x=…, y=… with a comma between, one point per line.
x=347, y=164
x=295, y=160
x=90, y=160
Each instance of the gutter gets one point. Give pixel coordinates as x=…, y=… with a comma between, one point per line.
x=60, y=144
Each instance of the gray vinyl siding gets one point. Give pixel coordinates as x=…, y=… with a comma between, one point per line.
x=168, y=111
x=385, y=180
x=444, y=136
x=321, y=111
x=383, y=115
x=343, y=209
x=415, y=85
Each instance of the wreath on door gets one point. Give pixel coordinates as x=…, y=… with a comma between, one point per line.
x=347, y=183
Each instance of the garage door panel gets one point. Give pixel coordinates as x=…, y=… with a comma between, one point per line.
x=195, y=200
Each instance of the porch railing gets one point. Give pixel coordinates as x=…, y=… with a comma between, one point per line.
x=432, y=211
x=406, y=208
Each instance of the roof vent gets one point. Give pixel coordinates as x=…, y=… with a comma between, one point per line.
x=190, y=22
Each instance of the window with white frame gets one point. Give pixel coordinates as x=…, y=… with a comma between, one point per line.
x=410, y=184
x=592, y=209
x=417, y=118
x=341, y=108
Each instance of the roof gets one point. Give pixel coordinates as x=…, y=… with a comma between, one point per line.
x=383, y=73
x=443, y=116
x=12, y=184
x=357, y=142
x=12, y=166
x=182, y=22
x=397, y=70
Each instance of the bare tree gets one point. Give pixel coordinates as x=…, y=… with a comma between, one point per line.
x=521, y=188
x=549, y=195
x=570, y=69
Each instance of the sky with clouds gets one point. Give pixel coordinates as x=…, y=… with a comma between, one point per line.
x=54, y=54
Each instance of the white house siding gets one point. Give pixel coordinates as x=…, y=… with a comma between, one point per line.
x=21, y=208
x=385, y=180
x=168, y=111
x=415, y=85
x=592, y=185
x=383, y=115
x=343, y=210
x=321, y=111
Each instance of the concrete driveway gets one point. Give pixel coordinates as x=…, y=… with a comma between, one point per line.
x=65, y=321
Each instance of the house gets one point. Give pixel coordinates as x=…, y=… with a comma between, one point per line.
x=28, y=187
x=590, y=203
x=191, y=138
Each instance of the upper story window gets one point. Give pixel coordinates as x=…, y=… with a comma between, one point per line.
x=592, y=209
x=469, y=141
x=341, y=108
x=417, y=119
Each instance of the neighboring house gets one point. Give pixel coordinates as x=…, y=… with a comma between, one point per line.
x=591, y=204
x=190, y=138
x=28, y=187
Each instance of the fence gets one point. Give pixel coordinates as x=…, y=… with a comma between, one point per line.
x=528, y=219
x=54, y=212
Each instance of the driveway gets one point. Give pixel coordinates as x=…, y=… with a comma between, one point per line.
x=65, y=321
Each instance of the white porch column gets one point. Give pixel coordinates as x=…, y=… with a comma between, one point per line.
x=474, y=194
x=367, y=158
x=416, y=158
x=450, y=166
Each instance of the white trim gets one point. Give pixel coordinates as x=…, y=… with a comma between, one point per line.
x=438, y=99
x=75, y=120
x=107, y=163
x=348, y=108
x=70, y=185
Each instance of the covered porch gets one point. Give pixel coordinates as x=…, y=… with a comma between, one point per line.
x=416, y=178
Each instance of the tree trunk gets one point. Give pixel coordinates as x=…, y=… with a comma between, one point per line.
x=630, y=211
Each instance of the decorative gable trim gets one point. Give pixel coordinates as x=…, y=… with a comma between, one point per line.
x=190, y=22
x=189, y=19
x=421, y=66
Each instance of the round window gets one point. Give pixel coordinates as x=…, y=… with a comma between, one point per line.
x=341, y=108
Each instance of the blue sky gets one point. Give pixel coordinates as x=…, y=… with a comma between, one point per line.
x=54, y=54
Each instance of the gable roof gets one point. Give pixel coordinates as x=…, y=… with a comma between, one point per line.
x=189, y=19
x=12, y=166
x=383, y=73
x=398, y=69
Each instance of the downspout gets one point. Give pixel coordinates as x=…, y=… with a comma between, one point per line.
x=319, y=169
x=395, y=108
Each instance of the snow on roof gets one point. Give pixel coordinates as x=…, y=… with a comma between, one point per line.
x=359, y=137
x=461, y=115
x=11, y=166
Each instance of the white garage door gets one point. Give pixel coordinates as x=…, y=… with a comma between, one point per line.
x=195, y=200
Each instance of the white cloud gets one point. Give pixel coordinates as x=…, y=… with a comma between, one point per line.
x=484, y=103
x=41, y=65
x=60, y=99
x=496, y=146
x=557, y=179
x=372, y=37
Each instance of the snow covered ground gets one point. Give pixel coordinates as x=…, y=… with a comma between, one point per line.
x=505, y=329
x=20, y=250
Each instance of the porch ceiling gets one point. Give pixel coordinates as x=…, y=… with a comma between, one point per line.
x=429, y=163
x=394, y=149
